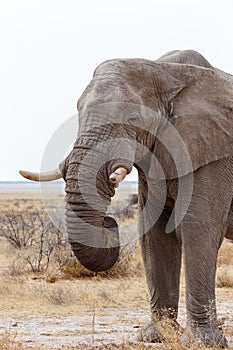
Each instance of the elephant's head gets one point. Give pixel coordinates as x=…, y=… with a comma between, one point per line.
x=131, y=110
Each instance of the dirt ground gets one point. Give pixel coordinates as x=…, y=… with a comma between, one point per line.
x=92, y=327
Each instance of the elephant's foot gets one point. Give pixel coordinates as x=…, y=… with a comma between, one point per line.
x=207, y=335
x=150, y=333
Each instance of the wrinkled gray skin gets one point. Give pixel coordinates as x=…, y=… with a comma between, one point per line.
x=183, y=88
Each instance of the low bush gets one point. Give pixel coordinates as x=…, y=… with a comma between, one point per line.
x=35, y=237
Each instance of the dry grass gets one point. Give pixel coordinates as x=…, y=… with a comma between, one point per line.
x=73, y=295
x=123, y=346
x=7, y=343
x=20, y=201
x=225, y=256
x=82, y=287
x=225, y=277
x=130, y=263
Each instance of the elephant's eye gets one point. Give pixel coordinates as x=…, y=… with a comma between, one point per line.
x=134, y=118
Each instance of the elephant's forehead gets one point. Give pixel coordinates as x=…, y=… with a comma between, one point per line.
x=116, y=95
x=97, y=113
x=106, y=94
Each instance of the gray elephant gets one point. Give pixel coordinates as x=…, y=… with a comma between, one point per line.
x=173, y=120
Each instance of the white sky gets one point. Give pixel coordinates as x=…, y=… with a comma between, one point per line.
x=50, y=48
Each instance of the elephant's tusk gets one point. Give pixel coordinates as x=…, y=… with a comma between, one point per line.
x=45, y=176
x=118, y=175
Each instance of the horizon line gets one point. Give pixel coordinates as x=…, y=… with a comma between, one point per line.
x=37, y=182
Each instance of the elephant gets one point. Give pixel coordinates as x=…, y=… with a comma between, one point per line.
x=172, y=119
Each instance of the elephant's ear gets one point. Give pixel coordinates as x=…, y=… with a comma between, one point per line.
x=200, y=128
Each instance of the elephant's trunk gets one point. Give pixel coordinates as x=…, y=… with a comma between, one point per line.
x=93, y=236
x=97, y=247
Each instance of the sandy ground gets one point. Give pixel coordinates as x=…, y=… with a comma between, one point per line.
x=109, y=326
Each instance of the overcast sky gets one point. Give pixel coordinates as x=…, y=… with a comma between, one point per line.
x=50, y=48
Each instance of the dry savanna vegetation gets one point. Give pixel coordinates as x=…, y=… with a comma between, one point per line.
x=49, y=301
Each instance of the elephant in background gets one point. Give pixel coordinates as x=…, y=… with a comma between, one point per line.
x=173, y=120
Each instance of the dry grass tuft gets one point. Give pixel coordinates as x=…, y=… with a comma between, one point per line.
x=225, y=277
x=8, y=342
x=130, y=262
x=73, y=269
x=59, y=296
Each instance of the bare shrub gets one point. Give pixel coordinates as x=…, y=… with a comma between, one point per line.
x=36, y=236
x=17, y=268
x=19, y=228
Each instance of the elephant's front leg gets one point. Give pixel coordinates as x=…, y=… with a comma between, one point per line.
x=200, y=261
x=161, y=254
x=202, y=231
